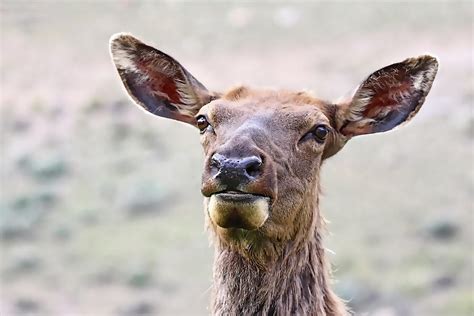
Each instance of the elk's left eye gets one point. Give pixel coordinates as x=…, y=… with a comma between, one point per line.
x=202, y=123
x=320, y=133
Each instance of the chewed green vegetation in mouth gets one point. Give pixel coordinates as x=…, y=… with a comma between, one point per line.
x=234, y=209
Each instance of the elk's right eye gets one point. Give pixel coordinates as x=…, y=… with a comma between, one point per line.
x=202, y=123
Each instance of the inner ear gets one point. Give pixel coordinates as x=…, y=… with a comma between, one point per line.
x=156, y=81
x=388, y=97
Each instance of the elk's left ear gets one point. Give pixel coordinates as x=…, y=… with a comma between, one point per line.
x=156, y=81
x=388, y=97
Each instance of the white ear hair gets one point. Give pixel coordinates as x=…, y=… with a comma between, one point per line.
x=122, y=49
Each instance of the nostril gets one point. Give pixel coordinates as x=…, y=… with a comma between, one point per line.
x=215, y=164
x=253, y=166
x=253, y=170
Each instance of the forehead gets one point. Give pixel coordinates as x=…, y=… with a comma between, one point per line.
x=287, y=108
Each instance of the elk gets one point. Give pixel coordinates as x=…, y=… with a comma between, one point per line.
x=263, y=153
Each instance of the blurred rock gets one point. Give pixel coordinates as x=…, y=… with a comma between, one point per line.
x=140, y=277
x=442, y=229
x=142, y=308
x=105, y=276
x=24, y=162
x=444, y=282
x=21, y=216
x=23, y=262
x=62, y=233
x=50, y=167
x=19, y=220
x=145, y=198
x=94, y=105
x=20, y=125
x=40, y=200
x=151, y=140
x=21, y=203
x=120, y=131
x=56, y=111
x=120, y=106
x=46, y=199
x=27, y=306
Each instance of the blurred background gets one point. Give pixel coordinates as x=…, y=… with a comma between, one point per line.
x=101, y=212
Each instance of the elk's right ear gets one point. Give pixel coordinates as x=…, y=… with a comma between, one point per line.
x=156, y=81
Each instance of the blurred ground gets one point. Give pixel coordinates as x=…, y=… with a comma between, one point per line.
x=100, y=205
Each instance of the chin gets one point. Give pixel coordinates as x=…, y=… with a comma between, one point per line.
x=230, y=210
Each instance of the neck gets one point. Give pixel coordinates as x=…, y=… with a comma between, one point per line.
x=296, y=282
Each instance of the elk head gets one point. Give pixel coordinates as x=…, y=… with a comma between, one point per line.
x=264, y=148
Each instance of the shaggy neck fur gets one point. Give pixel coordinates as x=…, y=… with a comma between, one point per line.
x=296, y=282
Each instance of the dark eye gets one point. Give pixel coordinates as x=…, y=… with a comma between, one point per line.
x=202, y=123
x=320, y=133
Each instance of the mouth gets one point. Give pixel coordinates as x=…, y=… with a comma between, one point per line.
x=237, y=209
x=238, y=196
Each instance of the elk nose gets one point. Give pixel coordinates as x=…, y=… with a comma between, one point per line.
x=235, y=171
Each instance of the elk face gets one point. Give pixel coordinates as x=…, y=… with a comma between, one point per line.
x=263, y=151
x=264, y=148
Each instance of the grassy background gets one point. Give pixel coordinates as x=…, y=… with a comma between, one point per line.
x=100, y=206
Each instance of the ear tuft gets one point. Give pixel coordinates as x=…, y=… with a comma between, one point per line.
x=123, y=48
x=126, y=50
x=424, y=69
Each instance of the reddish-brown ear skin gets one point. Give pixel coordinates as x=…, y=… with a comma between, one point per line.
x=156, y=81
x=388, y=97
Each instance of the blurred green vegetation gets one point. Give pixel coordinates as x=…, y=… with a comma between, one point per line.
x=100, y=210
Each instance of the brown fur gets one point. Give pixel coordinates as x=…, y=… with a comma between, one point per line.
x=286, y=263
x=280, y=267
